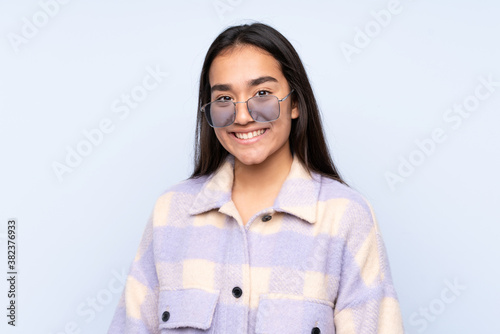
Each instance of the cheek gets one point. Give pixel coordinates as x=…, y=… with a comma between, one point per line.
x=221, y=136
x=284, y=128
x=216, y=132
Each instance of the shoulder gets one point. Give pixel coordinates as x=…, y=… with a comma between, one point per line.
x=350, y=208
x=179, y=196
x=332, y=189
x=186, y=187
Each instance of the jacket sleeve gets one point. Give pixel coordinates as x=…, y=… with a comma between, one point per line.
x=366, y=300
x=137, y=308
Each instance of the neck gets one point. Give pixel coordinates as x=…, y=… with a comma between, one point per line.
x=270, y=173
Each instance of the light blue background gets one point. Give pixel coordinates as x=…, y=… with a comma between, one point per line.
x=76, y=236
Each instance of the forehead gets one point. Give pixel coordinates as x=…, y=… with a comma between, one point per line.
x=239, y=64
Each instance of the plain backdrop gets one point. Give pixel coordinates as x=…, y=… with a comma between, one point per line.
x=409, y=93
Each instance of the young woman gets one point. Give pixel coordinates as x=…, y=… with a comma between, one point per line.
x=265, y=236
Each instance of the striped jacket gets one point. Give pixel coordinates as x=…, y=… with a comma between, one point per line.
x=315, y=262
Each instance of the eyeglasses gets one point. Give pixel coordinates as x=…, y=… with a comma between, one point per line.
x=262, y=108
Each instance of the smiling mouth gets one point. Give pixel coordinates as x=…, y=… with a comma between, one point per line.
x=249, y=135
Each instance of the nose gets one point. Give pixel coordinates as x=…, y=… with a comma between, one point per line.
x=242, y=113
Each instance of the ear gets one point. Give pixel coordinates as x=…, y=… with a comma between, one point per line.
x=295, y=109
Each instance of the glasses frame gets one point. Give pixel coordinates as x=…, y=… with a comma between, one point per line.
x=202, y=109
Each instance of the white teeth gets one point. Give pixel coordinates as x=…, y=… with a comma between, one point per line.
x=249, y=135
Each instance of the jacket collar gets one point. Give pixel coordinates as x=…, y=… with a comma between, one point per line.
x=298, y=195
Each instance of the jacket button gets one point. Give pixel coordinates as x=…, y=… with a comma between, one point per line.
x=316, y=330
x=267, y=218
x=237, y=292
x=165, y=316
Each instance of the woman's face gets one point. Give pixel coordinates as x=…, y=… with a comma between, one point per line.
x=237, y=75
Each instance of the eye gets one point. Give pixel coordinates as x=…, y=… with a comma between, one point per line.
x=263, y=93
x=223, y=98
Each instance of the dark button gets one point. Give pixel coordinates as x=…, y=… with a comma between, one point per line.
x=267, y=218
x=237, y=292
x=165, y=316
x=316, y=330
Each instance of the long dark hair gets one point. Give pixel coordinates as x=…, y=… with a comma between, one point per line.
x=307, y=139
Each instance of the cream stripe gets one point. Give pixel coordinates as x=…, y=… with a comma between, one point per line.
x=161, y=210
x=330, y=215
x=315, y=285
x=344, y=322
x=198, y=273
x=135, y=293
x=374, y=218
x=389, y=317
x=259, y=278
x=368, y=258
x=212, y=218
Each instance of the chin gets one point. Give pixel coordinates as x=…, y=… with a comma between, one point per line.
x=250, y=160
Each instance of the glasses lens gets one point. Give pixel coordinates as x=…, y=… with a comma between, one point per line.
x=220, y=113
x=264, y=108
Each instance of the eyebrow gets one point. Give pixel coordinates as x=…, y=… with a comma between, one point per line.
x=250, y=83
